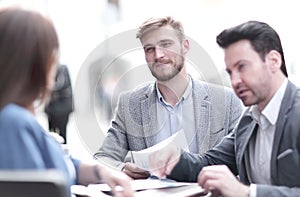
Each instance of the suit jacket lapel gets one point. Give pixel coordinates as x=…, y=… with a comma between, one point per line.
x=286, y=104
x=201, y=114
x=245, y=131
x=148, y=114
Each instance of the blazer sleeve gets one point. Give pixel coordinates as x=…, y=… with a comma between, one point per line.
x=276, y=191
x=115, y=147
x=189, y=165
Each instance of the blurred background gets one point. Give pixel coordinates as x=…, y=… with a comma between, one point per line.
x=97, y=43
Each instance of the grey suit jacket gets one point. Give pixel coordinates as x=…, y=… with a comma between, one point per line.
x=216, y=112
x=232, y=151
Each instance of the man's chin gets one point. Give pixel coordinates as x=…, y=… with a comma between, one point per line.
x=165, y=78
x=247, y=103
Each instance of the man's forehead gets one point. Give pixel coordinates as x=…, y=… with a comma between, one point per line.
x=158, y=35
x=167, y=29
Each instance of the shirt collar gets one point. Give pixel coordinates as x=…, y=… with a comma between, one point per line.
x=271, y=111
x=185, y=95
x=188, y=89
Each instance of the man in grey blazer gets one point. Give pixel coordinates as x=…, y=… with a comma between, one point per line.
x=264, y=150
x=157, y=110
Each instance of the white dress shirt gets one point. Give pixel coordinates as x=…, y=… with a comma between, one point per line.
x=260, y=148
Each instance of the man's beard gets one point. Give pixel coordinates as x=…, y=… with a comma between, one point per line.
x=176, y=69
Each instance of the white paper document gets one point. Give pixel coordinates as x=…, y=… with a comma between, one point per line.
x=183, y=191
x=141, y=158
x=143, y=188
x=141, y=184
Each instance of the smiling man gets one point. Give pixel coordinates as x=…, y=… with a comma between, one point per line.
x=175, y=101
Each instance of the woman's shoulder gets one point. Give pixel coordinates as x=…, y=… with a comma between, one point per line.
x=14, y=111
x=13, y=116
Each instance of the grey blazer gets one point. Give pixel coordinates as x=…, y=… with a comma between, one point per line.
x=216, y=112
x=232, y=151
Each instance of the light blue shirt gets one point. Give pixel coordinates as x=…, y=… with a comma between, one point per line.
x=174, y=118
x=24, y=144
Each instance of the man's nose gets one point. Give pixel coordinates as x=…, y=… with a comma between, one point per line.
x=159, y=52
x=235, y=80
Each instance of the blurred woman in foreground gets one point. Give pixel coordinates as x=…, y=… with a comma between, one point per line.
x=29, y=51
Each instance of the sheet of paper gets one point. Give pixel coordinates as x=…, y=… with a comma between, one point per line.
x=141, y=158
x=189, y=190
x=141, y=184
x=143, y=188
x=80, y=190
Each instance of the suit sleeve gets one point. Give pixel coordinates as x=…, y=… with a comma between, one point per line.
x=276, y=191
x=190, y=164
x=115, y=147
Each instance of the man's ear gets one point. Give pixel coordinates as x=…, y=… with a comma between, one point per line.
x=273, y=58
x=186, y=46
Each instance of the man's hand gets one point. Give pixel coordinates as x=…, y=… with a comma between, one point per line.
x=135, y=172
x=219, y=179
x=162, y=162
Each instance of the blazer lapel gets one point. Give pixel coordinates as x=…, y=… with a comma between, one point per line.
x=286, y=104
x=202, y=113
x=148, y=114
x=245, y=131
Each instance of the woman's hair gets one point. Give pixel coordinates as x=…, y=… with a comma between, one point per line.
x=28, y=49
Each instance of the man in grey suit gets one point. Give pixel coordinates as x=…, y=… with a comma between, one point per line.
x=157, y=110
x=264, y=150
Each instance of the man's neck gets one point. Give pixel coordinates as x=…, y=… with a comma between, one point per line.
x=275, y=87
x=173, y=89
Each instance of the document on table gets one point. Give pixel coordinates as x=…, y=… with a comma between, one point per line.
x=141, y=184
x=183, y=191
x=141, y=158
x=143, y=188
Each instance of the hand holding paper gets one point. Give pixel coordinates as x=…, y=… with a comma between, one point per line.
x=162, y=162
x=132, y=170
x=161, y=158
